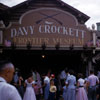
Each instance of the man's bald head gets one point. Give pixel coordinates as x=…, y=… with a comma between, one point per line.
x=6, y=70
x=5, y=64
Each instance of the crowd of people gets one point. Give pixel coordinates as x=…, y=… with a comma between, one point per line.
x=50, y=86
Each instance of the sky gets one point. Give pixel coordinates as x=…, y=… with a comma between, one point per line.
x=88, y=7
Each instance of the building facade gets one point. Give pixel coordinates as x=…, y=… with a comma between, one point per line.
x=47, y=27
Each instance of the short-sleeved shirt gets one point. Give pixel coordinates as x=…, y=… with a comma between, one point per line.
x=7, y=91
x=46, y=80
x=81, y=82
x=71, y=81
x=92, y=79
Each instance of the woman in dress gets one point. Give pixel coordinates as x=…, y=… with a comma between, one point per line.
x=29, y=93
x=70, y=82
x=81, y=92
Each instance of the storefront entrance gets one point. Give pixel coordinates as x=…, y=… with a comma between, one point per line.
x=43, y=60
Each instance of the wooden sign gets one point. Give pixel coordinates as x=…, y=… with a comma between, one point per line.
x=49, y=26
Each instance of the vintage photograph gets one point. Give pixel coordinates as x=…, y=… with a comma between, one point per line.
x=49, y=49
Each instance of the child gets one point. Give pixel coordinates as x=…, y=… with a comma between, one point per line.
x=52, y=91
x=37, y=91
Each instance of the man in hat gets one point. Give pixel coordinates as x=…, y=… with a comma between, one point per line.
x=7, y=91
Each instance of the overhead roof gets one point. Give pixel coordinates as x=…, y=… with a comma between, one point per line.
x=14, y=13
x=3, y=7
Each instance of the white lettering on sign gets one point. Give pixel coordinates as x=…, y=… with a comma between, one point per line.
x=71, y=33
x=61, y=30
x=83, y=33
x=44, y=29
x=21, y=31
x=65, y=30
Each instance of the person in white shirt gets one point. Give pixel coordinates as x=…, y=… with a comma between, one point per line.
x=46, y=87
x=7, y=91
